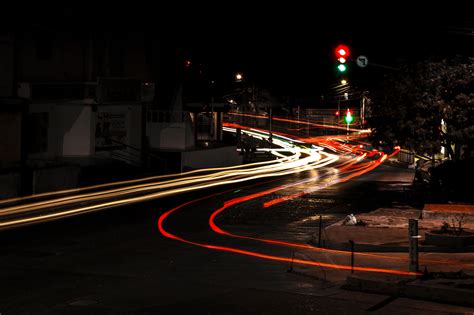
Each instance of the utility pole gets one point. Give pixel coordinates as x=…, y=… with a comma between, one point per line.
x=270, y=127
x=212, y=111
x=362, y=112
x=338, y=108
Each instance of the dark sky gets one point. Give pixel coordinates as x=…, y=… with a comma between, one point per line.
x=286, y=47
x=297, y=56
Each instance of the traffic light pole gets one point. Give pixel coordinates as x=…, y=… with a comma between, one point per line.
x=338, y=108
x=270, y=138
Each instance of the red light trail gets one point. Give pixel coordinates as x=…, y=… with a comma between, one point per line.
x=347, y=167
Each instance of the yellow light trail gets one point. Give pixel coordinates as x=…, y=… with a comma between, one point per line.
x=299, y=160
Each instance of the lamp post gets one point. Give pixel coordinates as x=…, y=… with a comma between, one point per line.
x=363, y=108
x=270, y=117
x=238, y=79
x=338, y=108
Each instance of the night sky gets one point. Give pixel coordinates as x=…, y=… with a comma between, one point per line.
x=286, y=48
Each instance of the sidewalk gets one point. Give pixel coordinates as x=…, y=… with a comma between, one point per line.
x=386, y=229
x=382, y=243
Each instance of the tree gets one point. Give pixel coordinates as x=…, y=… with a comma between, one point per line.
x=426, y=106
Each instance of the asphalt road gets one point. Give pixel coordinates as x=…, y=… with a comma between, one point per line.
x=116, y=261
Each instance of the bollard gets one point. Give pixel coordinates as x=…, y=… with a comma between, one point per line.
x=352, y=255
x=413, y=247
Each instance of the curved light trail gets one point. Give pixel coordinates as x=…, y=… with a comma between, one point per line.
x=349, y=168
x=167, y=234
x=290, y=159
x=294, y=155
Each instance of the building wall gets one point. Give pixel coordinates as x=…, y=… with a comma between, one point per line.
x=6, y=66
x=10, y=141
x=216, y=157
x=170, y=136
x=53, y=145
x=55, y=178
x=9, y=185
x=71, y=129
x=75, y=124
x=135, y=121
x=69, y=57
x=51, y=58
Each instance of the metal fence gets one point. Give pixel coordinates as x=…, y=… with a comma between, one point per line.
x=166, y=116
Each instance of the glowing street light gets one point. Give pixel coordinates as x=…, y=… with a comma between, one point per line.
x=238, y=77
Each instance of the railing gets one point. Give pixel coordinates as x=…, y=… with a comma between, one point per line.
x=164, y=116
x=133, y=155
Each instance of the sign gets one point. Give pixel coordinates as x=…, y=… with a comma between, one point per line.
x=110, y=131
x=362, y=61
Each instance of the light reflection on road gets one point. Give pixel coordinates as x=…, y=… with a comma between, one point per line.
x=357, y=163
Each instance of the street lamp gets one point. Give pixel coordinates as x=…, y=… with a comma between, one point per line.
x=238, y=77
x=343, y=81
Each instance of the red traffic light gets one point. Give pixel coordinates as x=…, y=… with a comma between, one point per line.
x=342, y=51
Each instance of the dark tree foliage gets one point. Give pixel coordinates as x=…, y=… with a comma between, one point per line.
x=409, y=108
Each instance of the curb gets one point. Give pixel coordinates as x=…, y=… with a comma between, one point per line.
x=361, y=247
x=411, y=290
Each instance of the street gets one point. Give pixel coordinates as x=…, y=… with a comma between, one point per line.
x=117, y=261
x=232, y=162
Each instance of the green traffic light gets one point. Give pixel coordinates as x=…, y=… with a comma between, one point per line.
x=348, y=118
x=342, y=68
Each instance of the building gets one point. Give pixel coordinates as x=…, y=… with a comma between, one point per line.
x=76, y=104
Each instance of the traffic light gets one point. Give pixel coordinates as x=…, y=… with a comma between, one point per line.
x=349, y=118
x=342, y=53
x=341, y=68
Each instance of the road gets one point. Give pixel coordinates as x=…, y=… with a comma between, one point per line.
x=117, y=261
x=148, y=257
x=293, y=155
